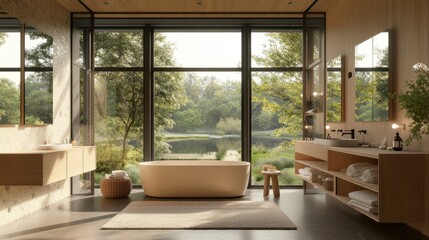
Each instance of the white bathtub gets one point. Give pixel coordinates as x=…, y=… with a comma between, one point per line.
x=190, y=179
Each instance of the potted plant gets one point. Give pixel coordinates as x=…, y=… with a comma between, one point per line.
x=415, y=102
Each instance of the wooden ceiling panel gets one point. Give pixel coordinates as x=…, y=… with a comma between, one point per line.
x=322, y=5
x=191, y=6
x=73, y=5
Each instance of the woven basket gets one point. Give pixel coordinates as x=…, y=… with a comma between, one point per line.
x=115, y=187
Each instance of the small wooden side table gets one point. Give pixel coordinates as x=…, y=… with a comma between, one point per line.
x=275, y=180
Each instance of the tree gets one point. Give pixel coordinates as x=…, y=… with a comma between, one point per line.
x=280, y=92
x=119, y=95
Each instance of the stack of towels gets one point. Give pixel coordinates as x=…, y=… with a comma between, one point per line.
x=121, y=174
x=364, y=200
x=367, y=172
x=308, y=173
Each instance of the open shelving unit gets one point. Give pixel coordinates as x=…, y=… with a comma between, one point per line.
x=401, y=178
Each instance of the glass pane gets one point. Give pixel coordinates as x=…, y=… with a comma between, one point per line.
x=372, y=96
x=119, y=122
x=277, y=49
x=333, y=90
x=197, y=49
x=9, y=97
x=315, y=38
x=314, y=115
x=276, y=122
x=119, y=48
x=38, y=98
x=10, y=49
x=38, y=49
x=198, y=116
x=374, y=52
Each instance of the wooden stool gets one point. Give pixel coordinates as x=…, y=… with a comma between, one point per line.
x=275, y=180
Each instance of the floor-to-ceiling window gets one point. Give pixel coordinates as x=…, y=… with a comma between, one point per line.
x=197, y=81
x=119, y=103
x=195, y=93
x=277, y=83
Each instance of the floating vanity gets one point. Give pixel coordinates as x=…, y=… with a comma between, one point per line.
x=401, y=182
x=42, y=167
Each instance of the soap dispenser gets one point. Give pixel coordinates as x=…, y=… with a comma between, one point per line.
x=397, y=143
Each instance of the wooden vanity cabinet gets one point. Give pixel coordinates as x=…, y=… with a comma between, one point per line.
x=401, y=185
x=42, y=167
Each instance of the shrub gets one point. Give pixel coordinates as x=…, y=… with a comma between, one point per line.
x=133, y=172
x=108, y=157
x=229, y=125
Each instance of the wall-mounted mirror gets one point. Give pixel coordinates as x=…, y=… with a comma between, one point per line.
x=335, y=90
x=372, y=79
x=33, y=76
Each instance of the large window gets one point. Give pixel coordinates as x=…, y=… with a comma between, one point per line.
x=118, y=112
x=277, y=84
x=231, y=93
x=197, y=95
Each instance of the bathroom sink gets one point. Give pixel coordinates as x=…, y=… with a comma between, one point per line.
x=337, y=142
x=55, y=146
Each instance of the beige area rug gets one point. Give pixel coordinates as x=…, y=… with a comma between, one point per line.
x=200, y=215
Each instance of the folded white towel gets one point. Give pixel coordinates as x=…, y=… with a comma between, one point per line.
x=365, y=196
x=303, y=172
x=370, y=175
x=308, y=169
x=357, y=204
x=356, y=169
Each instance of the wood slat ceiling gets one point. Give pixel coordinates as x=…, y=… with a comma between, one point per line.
x=196, y=6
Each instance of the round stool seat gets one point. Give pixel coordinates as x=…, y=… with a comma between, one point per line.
x=115, y=187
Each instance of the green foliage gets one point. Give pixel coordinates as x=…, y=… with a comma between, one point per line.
x=333, y=96
x=415, y=101
x=42, y=54
x=133, y=172
x=108, y=157
x=9, y=102
x=39, y=98
x=229, y=125
x=280, y=93
x=119, y=95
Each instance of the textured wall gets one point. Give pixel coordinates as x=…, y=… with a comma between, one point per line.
x=350, y=22
x=51, y=18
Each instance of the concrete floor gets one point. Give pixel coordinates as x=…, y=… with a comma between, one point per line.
x=317, y=216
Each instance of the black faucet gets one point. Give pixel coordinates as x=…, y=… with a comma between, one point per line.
x=351, y=132
x=362, y=131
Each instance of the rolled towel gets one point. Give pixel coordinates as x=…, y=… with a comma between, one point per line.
x=365, y=196
x=362, y=206
x=370, y=175
x=303, y=172
x=356, y=169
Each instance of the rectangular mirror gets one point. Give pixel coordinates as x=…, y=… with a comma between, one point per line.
x=335, y=90
x=25, y=86
x=372, y=79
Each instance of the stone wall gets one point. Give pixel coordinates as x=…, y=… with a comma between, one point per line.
x=52, y=18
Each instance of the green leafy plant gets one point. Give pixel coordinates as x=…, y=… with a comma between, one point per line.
x=415, y=102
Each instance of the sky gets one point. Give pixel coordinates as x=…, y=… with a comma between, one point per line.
x=212, y=49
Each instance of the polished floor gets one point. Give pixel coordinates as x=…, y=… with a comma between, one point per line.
x=318, y=216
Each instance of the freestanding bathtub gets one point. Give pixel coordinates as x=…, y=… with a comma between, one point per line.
x=194, y=178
